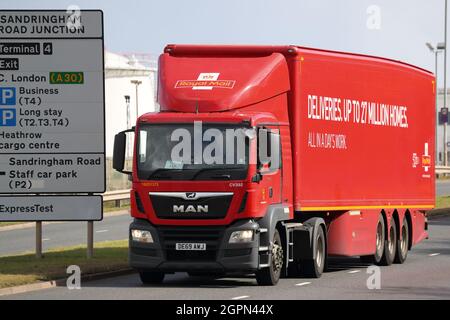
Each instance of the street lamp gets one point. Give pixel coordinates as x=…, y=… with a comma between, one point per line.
x=439, y=48
x=127, y=102
x=136, y=83
x=445, y=83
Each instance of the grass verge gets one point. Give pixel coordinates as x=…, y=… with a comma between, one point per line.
x=25, y=268
x=442, y=202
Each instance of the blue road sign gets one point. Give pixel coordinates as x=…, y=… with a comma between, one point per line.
x=7, y=96
x=7, y=117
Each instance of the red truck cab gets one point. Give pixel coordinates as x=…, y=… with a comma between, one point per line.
x=220, y=206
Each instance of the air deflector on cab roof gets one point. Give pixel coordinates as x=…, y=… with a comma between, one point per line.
x=219, y=83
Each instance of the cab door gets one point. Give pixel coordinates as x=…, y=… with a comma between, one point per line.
x=269, y=164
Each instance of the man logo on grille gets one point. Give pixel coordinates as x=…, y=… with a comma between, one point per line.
x=190, y=209
x=190, y=195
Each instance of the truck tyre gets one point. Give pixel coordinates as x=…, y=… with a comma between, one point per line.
x=390, y=245
x=313, y=268
x=402, y=244
x=269, y=276
x=379, y=246
x=151, y=277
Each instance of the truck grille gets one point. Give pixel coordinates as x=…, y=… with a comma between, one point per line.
x=216, y=207
x=169, y=236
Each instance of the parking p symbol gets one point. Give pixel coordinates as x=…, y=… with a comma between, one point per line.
x=7, y=117
x=7, y=96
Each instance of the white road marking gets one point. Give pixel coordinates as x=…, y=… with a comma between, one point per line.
x=46, y=239
x=302, y=284
x=354, y=271
x=240, y=297
x=434, y=254
x=101, y=231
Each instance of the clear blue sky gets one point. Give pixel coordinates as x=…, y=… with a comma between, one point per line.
x=146, y=26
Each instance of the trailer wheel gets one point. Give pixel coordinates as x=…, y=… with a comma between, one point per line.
x=151, y=277
x=390, y=245
x=313, y=268
x=269, y=276
x=379, y=246
x=402, y=244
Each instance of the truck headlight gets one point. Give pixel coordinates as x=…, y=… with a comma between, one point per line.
x=141, y=236
x=241, y=236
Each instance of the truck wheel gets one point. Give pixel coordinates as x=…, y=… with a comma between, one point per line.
x=390, y=245
x=313, y=268
x=402, y=244
x=269, y=276
x=379, y=246
x=151, y=277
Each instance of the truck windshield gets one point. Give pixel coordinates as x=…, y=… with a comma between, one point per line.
x=194, y=151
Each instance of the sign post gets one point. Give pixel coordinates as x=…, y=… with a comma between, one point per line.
x=90, y=239
x=38, y=239
x=52, y=137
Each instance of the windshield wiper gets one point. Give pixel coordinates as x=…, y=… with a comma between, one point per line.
x=225, y=176
x=221, y=176
x=155, y=173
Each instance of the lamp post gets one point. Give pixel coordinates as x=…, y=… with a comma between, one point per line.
x=439, y=48
x=127, y=102
x=136, y=83
x=445, y=85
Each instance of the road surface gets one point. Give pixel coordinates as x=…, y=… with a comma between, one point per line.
x=425, y=275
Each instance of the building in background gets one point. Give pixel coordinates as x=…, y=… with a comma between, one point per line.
x=122, y=75
x=126, y=76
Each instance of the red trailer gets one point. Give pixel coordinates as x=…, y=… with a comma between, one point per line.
x=355, y=175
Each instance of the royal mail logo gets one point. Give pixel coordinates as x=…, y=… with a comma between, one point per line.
x=426, y=159
x=206, y=81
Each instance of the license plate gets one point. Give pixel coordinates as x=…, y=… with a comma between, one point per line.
x=190, y=246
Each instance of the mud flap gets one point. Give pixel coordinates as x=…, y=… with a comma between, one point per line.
x=303, y=239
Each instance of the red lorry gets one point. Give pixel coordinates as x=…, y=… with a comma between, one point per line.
x=354, y=135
